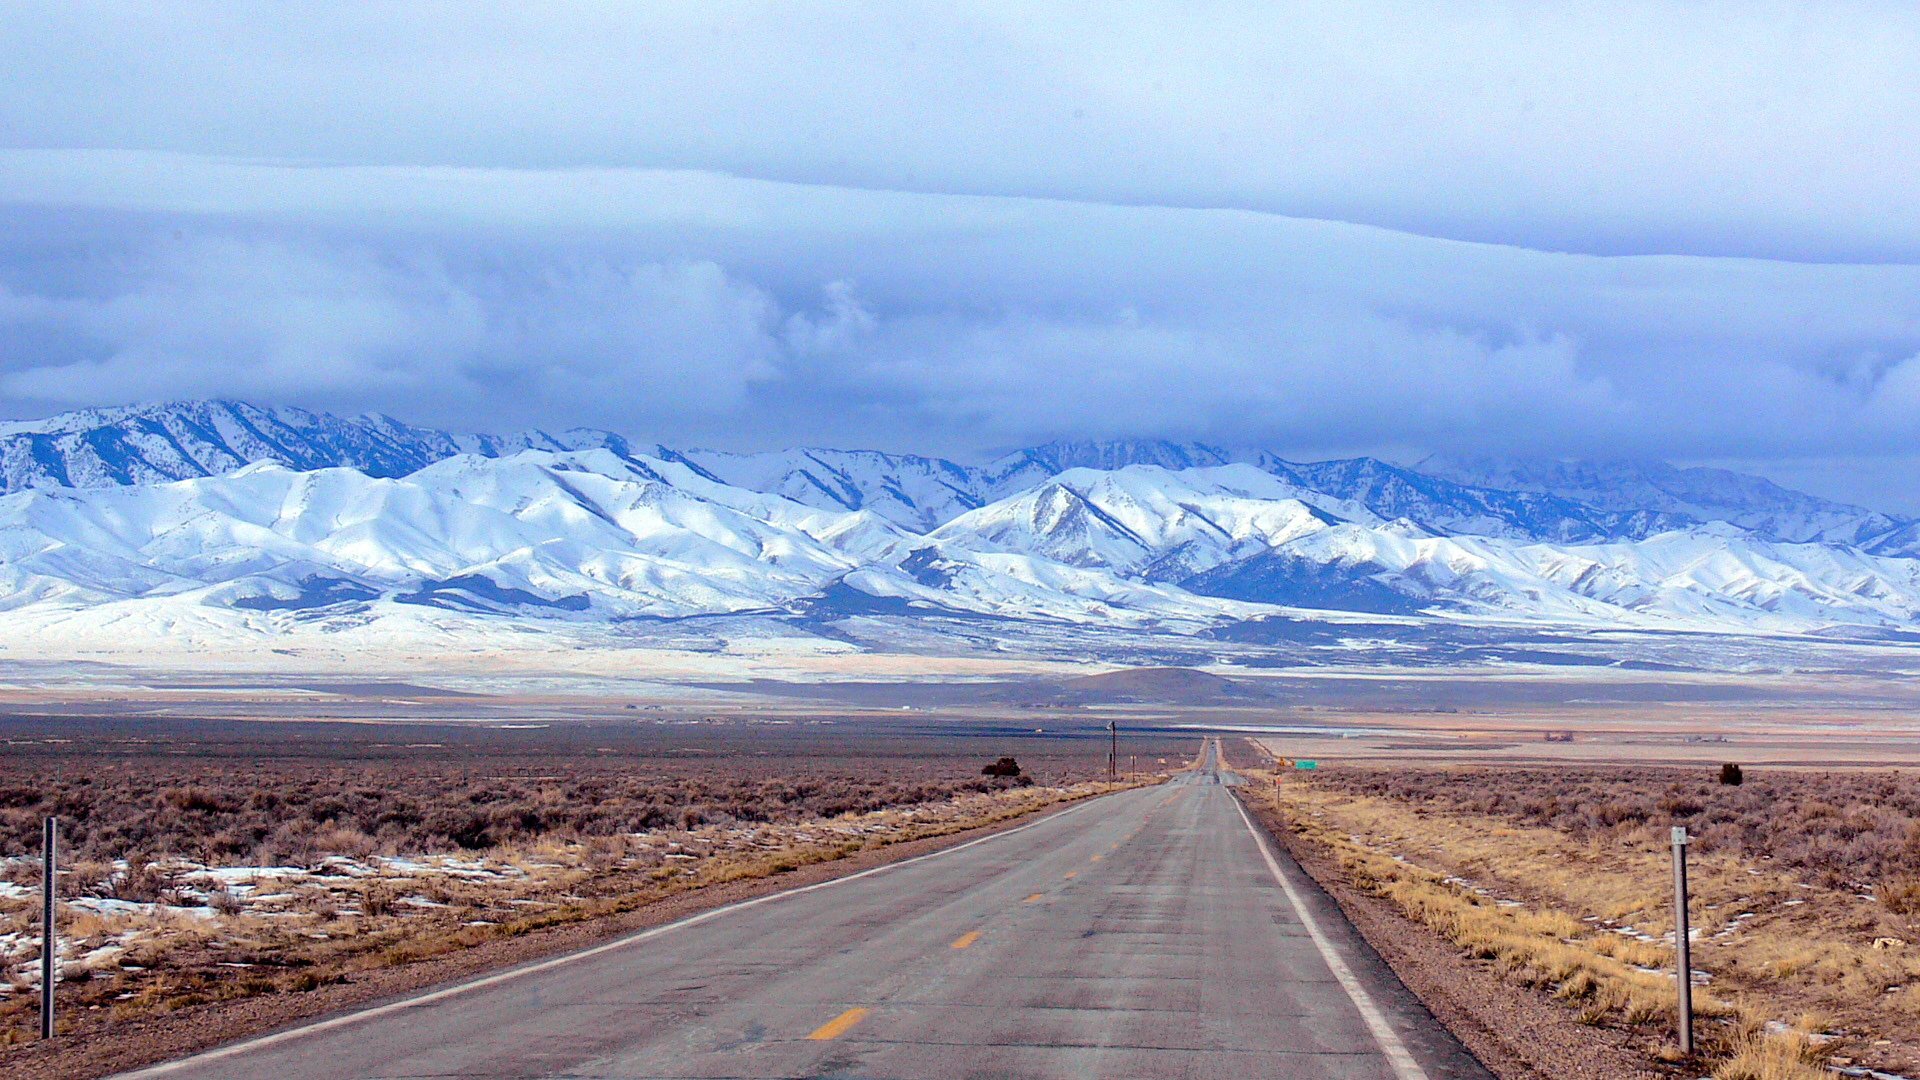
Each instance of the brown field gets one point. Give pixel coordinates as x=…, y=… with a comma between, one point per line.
x=1805, y=886
x=210, y=861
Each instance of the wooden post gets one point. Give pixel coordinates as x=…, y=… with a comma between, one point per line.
x=1682, y=947
x=49, y=936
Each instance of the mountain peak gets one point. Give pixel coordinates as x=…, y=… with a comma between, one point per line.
x=1626, y=485
x=1107, y=454
x=1542, y=500
x=279, y=512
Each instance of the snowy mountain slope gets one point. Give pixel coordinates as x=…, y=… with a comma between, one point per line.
x=587, y=534
x=1900, y=542
x=1020, y=470
x=916, y=492
x=1238, y=533
x=1391, y=491
x=1698, y=494
x=1555, y=502
x=1144, y=521
x=570, y=532
x=181, y=440
x=1709, y=577
x=603, y=535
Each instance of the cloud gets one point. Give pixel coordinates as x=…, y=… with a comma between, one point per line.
x=349, y=326
x=697, y=308
x=221, y=315
x=1776, y=130
x=1289, y=372
x=1656, y=229
x=1012, y=322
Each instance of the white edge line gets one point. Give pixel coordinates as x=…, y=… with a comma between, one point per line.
x=349, y=1019
x=1402, y=1060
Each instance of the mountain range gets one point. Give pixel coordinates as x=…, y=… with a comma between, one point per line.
x=274, y=515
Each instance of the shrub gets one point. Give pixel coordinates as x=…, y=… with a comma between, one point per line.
x=1006, y=767
x=1731, y=776
x=1899, y=895
x=205, y=803
x=143, y=882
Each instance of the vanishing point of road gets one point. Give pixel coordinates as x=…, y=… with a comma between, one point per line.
x=1149, y=933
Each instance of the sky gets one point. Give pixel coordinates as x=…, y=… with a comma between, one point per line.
x=1680, y=231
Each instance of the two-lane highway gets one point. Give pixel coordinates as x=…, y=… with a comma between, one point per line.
x=1150, y=933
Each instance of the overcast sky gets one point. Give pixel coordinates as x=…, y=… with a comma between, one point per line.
x=1671, y=230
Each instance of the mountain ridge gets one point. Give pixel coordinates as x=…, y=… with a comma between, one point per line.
x=605, y=536
x=1556, y=502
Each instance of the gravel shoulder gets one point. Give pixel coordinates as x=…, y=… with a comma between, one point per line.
x=1515, y=1033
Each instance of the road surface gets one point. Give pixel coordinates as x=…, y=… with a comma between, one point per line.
x=1144, y=934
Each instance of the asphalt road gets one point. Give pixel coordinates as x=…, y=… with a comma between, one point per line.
x=1146, y=934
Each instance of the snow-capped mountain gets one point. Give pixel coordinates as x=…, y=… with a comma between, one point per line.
x=1238, y=533
x=573, y=531
x=141, y=444
x=1697, y=494
x=915, y=492
x=1144, y=521
x=579, y=534
x=600, y=535
x=281, y=514
x=1559, y=502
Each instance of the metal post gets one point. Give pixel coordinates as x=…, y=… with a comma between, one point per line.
x=49, y=938
x=1113, y=750
x=1682, y=947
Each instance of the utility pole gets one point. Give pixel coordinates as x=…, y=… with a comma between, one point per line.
x=1113, y=750
x=1682, y=948
x=49, y=938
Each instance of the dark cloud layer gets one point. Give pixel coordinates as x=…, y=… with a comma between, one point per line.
x=1675, y=231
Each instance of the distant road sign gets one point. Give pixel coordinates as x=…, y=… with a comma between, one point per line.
x=1303, y=764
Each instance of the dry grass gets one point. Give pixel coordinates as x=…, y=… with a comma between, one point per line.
x=1562, y=879
x=1602, y=974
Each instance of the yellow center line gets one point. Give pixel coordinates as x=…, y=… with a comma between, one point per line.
x=1096, y=858
x=838, y=1026
x=1035, y=898
x=1073, y=873
x=966, y=939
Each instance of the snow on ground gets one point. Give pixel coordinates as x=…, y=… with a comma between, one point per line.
x=200, y=902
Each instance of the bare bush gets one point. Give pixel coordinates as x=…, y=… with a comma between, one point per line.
x=1840, y=829
x=272, y=812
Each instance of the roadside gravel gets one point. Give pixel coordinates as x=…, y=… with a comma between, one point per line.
x=1515, y=1033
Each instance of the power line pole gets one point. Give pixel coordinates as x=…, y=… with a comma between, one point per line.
x=1113, y=750
x=49, y=938
x=1682, y=947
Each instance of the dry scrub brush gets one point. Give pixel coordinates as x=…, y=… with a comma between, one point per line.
x=1801, y=890
x=269, y=813
x=1842, y=829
